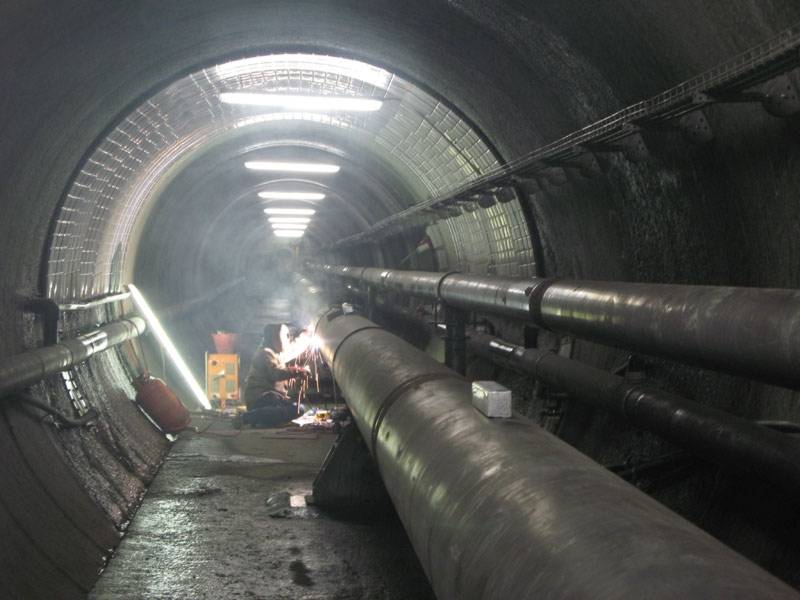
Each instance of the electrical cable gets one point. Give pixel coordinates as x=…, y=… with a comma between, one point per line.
x=63, y=419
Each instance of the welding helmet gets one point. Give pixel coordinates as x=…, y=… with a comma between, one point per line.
x=274, y=336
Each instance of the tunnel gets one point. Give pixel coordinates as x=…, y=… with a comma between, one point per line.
x=479, y=180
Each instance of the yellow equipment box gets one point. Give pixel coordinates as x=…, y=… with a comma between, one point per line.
x=222, y=378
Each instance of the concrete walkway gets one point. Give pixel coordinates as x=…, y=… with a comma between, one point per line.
x=204, y=530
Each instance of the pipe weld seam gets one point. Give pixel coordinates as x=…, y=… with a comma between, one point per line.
x=347, y=337
x=542, y=355
x=441, y=281
x=394, y=395
x=536, y=297
x=72, y=360
x=628, y=396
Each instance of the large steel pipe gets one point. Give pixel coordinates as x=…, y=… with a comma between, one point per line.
x=20, y=371
x=421, y=284
x=749, y=331
x=752, y=332
x=715, y=435
x=507, y=297
x=503, y=509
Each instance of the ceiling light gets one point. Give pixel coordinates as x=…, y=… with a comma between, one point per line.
x=300, y=212
x=290, y=167
x=295, y=226
x=303, y=103
x=291, y=196
x=306, y=62
x=289, y=220
x=288, y=233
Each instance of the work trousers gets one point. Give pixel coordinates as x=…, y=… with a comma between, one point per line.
x=268, y=410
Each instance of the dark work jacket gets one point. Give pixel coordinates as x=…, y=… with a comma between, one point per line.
x=267, y=374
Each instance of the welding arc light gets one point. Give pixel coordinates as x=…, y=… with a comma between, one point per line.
x=289, y=220
x=291, y=167
x=166, y=343
x=288, y=233
x=303, y=103
x=291, y=196
x=298, y=212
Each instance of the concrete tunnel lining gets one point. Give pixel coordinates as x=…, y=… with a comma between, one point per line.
x=523, y=75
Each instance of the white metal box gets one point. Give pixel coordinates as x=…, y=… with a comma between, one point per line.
x=491, y=398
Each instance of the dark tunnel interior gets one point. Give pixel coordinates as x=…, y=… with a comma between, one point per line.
x=121, y=162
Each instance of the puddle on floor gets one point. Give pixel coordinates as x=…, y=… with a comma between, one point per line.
x=242, y=459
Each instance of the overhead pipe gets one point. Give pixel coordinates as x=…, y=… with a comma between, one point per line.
x=499, y=509
x=720, y=437
x=23, y=370
x=752, y=332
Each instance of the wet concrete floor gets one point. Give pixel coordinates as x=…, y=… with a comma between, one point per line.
x=204, y=530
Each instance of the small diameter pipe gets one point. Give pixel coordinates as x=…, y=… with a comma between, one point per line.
x=20, y=371
x=725, y=439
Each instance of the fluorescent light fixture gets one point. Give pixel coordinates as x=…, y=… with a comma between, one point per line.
x=287, y=226
x=288, y=233
x=290, y=167
x=172, y=351
x=306, y=62
x=303, y=103
x=289, y=220
x=291, y=196
x=297, y=212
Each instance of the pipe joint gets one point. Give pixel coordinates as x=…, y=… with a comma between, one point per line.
x=535, y=295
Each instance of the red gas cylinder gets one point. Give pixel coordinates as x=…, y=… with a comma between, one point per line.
x=161, y=404
x=224, y=342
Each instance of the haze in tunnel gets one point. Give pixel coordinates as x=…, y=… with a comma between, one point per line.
x=123, y=160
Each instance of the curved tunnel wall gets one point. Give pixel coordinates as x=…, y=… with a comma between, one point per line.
x=415, y=131
x=523, y=74
x=194, y=235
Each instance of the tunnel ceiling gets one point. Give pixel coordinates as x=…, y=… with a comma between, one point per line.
x=115, y=152
x=415, y=146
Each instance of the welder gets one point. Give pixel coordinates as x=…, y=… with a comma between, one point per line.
x=267, y=384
